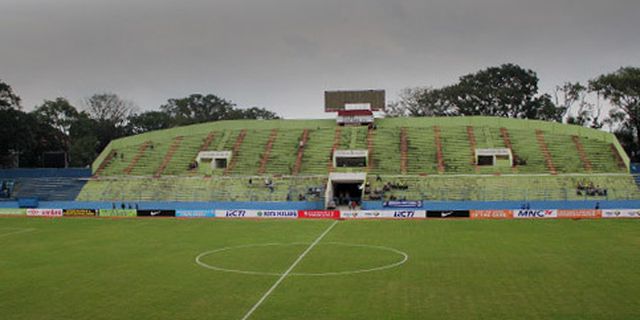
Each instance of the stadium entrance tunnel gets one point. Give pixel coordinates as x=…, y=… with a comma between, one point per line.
x=344, y=189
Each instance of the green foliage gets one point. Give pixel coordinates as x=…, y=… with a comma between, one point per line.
x=504, y=91
x=198, y=108
x=149, y=121
x=8, y=99
x=622, y=89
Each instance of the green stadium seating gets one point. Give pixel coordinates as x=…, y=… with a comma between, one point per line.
x=128, y=166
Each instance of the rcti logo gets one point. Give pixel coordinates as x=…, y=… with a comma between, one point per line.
x=535, y=213
x=404, y=214
x=235, y=213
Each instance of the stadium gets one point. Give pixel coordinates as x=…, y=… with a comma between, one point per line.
x=352, y=217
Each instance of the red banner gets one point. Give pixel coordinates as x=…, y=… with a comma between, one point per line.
x=491, y=214
x=579, y=214
x=319, y=214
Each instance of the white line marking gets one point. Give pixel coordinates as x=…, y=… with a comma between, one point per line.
x=286, y=273
x=404, y=259
x=16, y=232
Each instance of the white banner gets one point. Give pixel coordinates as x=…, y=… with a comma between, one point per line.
x=534, y=214
x=621, y=213
x=281, y=214
x=383, y=214
x=44, y=212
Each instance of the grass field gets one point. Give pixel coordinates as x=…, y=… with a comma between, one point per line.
x=146, y=269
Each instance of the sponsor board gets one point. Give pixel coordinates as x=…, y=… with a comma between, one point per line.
x=491, y=214
x=12, y=211
x=117, y=213
x=534, y=214
x=231, y=213
x=79, y=212
x=621, y=213
x=402, y=204
x=195, y=213
x=319, y=214
x=156, y=213
x=579, y=214
x=448, y=214
x=382, y=214
x=281, y=214
x=44, y=212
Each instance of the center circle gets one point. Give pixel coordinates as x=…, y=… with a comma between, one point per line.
x=326, y=250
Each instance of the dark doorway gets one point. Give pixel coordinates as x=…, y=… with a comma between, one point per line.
x=344, y=193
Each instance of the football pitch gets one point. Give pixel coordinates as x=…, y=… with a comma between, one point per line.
x=156, y=268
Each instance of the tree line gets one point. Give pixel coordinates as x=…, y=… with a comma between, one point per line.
x=509, y=90
x=81, y=133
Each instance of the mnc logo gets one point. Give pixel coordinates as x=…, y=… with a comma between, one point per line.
x=536, y=213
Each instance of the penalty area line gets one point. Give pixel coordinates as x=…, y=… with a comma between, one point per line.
x=286, y=273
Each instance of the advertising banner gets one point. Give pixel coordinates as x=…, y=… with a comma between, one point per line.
x=44, y=212
x=237, y=213
x=491, y=214
x=79, y=212
x=117, y=213
x=319, y=214
x=383, y=214
x=12, y=211
x=448, y=214
x=534, y=214
x=156, y=213
x=579, y=214
x=195, y=214
x=621, y=213
x=402, y=204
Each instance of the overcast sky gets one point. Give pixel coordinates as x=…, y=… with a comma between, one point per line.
x=282, y=54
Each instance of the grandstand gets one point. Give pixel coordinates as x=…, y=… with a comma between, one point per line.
x=435, y=158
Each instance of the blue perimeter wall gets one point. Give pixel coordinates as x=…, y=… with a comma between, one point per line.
x=367, y=205
x=45, y=172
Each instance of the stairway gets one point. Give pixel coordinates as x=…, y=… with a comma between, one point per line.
x=336, y=143
x=439, y=154
x=105, y=163
x=207, y=141
x=404, y=150
x=545, y=152
x=267, y=151
x=137, y=157
x=370, y=133
x=507, y=142
x=167, y=158
x=583, y=155
x=617, y=156
x=298, y=164
x=473, y=145
x=236, y=148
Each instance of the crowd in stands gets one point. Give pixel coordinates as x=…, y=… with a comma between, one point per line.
x=587, y=188
x=6, y=188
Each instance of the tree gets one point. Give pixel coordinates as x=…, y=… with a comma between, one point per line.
x=109, y=107
x=58, y=113
x=578, y=110
x=622, y=89
x=149, y=121
x=198, y=108
x=8, y=99
x=504, y=91
x=421, y=102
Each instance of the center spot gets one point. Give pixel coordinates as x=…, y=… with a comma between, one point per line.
x=325, y=259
